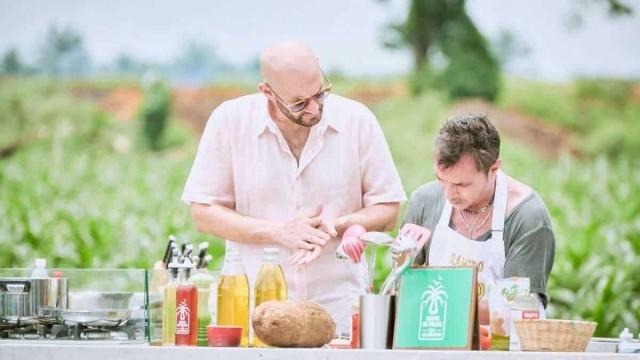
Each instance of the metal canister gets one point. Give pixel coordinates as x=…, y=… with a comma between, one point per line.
x=48, y=294
x=377, y=314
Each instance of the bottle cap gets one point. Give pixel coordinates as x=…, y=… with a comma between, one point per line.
x=626, y=334
x=41, y=263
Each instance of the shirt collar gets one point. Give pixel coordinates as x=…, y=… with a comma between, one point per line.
x=264, y=121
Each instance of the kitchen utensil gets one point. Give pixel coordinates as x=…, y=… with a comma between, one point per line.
x=167, y=252
x=391, y=280
x=377, y=313
x=15, y=298
x=377, y=238
x=202, y=247
x=206, y=261
x=114, y=300
x=93, y=317
x=95, y=300
x=49, y=293
x=351, y=247
x=404, y=249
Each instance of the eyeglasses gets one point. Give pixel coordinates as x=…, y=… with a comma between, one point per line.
x=300, y=105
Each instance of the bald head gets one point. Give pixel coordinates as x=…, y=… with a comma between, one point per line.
x=289, y=62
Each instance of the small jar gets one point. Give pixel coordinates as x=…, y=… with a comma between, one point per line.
x=355, y=326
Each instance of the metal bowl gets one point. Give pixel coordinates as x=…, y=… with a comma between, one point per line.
x=94, y=317
x=114, y=300
x=94, y=300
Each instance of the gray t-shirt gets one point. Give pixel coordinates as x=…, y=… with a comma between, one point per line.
x=529, y=240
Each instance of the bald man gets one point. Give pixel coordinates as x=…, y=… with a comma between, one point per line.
x=292, y=167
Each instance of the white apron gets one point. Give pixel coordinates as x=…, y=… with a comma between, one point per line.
x=449, y=248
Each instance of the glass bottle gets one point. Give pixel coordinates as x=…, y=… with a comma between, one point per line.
x=169, y=305
x=270, y=283
x=203, y=280
x=186, y=307
x=233, y=296
x=355, y=326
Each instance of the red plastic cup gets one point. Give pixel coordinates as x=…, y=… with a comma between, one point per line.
x=224, y=336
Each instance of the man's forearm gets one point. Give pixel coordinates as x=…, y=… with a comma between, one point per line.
x=378, y=217
x=225, y=223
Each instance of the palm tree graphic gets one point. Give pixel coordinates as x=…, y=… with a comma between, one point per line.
x=433, y=298
x=183, y=311
x=435, y=295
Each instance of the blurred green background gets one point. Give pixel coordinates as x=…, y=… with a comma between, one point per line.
x=93, y=158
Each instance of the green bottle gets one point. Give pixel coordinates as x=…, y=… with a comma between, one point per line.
x=203, y=280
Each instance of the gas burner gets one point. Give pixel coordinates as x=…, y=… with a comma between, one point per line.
x=18, y=331
x=82, y=332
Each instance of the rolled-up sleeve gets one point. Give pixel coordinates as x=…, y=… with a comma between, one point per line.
x=380, y=179
x=211, y=178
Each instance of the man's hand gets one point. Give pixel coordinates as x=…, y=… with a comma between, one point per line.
x=419, y=233
x=326, y=226
x=302, y=256
x=302, y=233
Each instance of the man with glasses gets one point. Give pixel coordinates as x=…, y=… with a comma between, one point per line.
x=292, y=167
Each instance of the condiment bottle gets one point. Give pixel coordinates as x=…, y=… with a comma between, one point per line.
x=233, y=296
x=203, y=280
x=186, y=307
x=270, y=283
x=169, y=304
x=355, y=326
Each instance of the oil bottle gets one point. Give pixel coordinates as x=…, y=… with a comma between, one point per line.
x=270, y=283
x=186, y=306
x=233, y=296
x=169, y=304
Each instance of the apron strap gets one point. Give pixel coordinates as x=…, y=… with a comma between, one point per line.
x=445, y=215
x=500, y=207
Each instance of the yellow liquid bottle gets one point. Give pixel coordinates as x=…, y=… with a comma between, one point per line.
x=169, y=307
x=270, y=283
x=233, y=296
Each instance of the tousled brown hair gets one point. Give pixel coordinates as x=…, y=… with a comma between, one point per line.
x=469, y=134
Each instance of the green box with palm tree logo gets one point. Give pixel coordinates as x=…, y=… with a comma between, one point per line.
x=436, y=308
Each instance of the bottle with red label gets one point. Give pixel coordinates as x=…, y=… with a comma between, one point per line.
x=355, y=326
x=186, y=307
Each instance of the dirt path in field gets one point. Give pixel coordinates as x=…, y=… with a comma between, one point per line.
x=194, y=105
x=545, y=138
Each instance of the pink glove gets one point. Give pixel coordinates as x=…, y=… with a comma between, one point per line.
x=351, y=244
x=419, y=233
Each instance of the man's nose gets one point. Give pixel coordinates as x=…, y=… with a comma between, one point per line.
x=450, y=191
x=313, y=107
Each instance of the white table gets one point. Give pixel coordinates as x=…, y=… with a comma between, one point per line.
x=35, y=350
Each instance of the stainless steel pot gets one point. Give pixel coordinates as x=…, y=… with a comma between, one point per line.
x=24, y=298
x=15, y=300
x=49, y=293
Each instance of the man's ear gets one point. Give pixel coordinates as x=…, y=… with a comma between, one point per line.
x=263, y=88
x=496, y=165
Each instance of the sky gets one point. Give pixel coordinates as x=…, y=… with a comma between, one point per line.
x=346, y=34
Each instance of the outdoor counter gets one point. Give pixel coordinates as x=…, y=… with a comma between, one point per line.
x=48, y=351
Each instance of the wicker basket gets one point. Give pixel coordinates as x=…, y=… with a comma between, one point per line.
x=554, y=335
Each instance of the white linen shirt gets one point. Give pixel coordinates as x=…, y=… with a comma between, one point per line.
x=243, y=162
